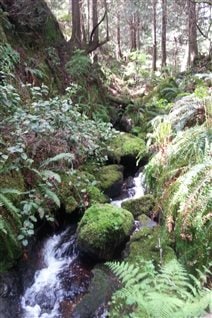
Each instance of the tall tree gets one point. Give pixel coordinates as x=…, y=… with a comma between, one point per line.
x=76, y=23
x=192, y=32
x=154, y=31
x=163, y=33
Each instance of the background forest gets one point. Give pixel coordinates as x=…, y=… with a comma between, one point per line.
x=92, y=94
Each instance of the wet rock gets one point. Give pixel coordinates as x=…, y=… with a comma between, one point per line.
x=142, y=205
x=145, y=221
x=99, y=293
x=126, y=124
x=10, y=289
x=102, y=230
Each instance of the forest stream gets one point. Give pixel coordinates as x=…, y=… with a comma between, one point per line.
x=62, y=277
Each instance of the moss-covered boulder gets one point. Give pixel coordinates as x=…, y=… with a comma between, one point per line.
x=142, y=205
x=79, y=189
x=126, y=146
x=110, y=179
x=149, y=244
x=102, y=230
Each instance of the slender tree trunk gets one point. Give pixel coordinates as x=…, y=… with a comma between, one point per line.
x=118, y=34
x=133, y=36
x=88, y=19
x=138, y=31
x=192, y=32
x=163, y=38
x=154, y=53
x=76, y=23
x=95, y=21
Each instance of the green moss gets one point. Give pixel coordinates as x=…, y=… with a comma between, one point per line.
x=144, y=245
x=110, y=178
x=96, y=196
x=142, y=205
x=125, y=145
x=102, y=229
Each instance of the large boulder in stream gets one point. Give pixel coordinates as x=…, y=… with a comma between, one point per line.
x=142, y=205
x=126, y=148
x=102, y=230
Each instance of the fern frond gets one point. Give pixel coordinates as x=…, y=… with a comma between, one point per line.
x=10, y=207
x=166, y=294
x=61, y=156
x=50, y=194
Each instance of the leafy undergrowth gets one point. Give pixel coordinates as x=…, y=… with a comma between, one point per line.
x=41, y=138
x=179, y=174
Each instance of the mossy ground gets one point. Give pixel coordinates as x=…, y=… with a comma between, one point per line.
x=102, y=229
x=145, y=245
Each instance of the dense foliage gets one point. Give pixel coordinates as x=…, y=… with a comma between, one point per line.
x=169, y=292
x=40, y=138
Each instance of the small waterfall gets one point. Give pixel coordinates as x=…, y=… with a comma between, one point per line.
x=135, y=192
x=42, y=299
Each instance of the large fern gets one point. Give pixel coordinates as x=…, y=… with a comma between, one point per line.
x=171, y=292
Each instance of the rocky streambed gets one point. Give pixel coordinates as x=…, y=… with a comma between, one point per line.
x=60, y=280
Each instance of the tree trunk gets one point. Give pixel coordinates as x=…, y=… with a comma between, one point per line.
x=163, y=38
x=138, y=31
x=76, y=24
x=133, y=36
x=95, y=22
x=154, y=53
x=118, y=34
x=192, y=32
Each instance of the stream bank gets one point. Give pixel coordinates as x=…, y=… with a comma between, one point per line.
x=54, y=278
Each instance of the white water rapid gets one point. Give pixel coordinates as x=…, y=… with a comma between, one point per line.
x=42, y=299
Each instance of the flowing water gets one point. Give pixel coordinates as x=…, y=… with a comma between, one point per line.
x=63, y=277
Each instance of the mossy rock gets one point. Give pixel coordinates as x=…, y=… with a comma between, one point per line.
x=145, y=221
x=99, y=293
x=144, y=246
x=102, y=230
x=95, y=195
x=142, y=205
x=111, y=179
x=126, y=145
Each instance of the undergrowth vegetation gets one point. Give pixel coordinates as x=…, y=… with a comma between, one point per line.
x=179, y=174
x=169, y=292
x=41, y=137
